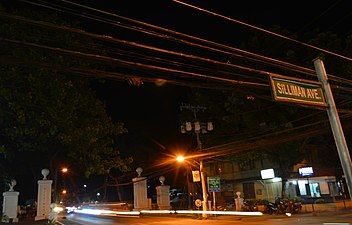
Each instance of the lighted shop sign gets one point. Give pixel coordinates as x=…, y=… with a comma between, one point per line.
x=305, y=171
x=267, y=174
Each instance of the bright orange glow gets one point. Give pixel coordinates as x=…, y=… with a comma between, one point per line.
x=180, y=159
x=64, y=192
x=64, y=170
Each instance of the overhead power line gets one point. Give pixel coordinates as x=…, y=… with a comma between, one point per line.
x=272, y=139
x=145, y=47
x=119, y=76
x=127, y=64
x=264, y=30
x=217, y=47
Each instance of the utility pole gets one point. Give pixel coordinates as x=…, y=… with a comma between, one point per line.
x=198, y=129
x=335, y=124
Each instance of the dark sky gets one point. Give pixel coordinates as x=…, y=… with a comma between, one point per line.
x=154, y=109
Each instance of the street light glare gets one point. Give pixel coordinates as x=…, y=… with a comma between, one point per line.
x=180, y=158
x=64, y=170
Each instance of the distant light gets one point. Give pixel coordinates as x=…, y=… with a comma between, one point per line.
x=64, y=192
x=84, y=185
x=64, y=170
x=98, y=194
x=288, y=214
x=180, y=158
x=267, y=174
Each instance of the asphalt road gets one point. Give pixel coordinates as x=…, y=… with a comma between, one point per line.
x=321, y=218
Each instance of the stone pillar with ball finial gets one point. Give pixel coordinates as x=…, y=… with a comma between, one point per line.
x=10, y=202
x=163, y=195
x=140, y=191
x=44, y=196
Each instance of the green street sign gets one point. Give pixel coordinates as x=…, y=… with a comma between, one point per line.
x=214, y=184
x=303, y=92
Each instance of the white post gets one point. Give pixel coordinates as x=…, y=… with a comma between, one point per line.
x=335, y=124
x=163, y=195
x=140, y=191
x=9, y=208
x=44, y=197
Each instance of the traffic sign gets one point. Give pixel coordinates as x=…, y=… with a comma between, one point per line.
x=214, y=184
x=198, y=202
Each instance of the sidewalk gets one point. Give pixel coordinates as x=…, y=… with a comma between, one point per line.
x=62, y=221
x=29, y=222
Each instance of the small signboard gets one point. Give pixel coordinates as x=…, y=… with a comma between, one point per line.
x=196, y=175
x=214, y=184
x=304, y=92
x=305, y=171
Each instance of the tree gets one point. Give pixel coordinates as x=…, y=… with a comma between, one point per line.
x=48, y=116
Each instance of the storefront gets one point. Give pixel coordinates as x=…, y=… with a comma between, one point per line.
x=324, y=187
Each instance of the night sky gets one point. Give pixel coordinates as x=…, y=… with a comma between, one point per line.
x=154, y=109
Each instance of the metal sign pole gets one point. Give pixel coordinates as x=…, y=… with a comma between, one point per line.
x=335, y=124
x=214, y=200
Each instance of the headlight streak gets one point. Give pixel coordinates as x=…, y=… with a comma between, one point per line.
x=103, y=212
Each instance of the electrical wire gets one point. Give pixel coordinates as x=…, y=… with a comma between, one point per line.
x=114, y=40
x=227, y=148
x=127, y=64
x=264, y=30
x=248, y=55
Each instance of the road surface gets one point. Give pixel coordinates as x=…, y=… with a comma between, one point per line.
x=321, y=218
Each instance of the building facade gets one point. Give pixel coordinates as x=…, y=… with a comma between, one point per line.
x=247, y=179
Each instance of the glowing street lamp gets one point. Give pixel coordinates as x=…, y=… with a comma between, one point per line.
x=64, y=192
x=64, y=170
x=180, y=159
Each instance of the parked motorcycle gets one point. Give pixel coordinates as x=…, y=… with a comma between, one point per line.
x=249, y=206
x=293, y=207
x=270, y=208
x=281, y=205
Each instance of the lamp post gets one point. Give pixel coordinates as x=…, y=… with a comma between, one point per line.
x=63, y=170
x=198, y=128
x=181, y=159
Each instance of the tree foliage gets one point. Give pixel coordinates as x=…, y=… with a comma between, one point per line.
x=49, y=115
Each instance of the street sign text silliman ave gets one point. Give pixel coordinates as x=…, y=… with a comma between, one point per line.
x=296, y=91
